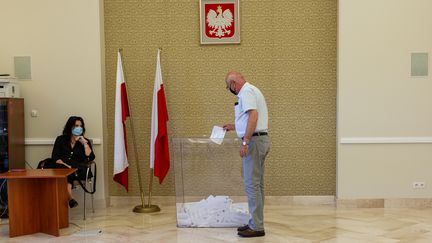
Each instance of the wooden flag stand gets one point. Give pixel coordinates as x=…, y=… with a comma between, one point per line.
x=143, y=208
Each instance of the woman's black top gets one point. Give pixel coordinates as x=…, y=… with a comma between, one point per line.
x=72, y=156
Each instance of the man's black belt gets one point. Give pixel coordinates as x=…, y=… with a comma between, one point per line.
x=259, y=134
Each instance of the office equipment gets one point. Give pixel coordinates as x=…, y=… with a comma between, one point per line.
x=9, y=88
x=12, y=153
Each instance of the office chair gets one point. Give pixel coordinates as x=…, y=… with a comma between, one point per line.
x=88, y=184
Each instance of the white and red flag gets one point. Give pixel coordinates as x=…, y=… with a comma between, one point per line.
x=120, y=142
x=159, y=151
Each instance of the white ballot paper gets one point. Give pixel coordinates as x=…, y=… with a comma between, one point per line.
x=218, y=134
x=215, y=211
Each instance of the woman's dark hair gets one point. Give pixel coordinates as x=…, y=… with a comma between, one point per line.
x=67, y=130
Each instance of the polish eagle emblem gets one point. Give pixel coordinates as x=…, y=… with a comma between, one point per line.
x=220, y=22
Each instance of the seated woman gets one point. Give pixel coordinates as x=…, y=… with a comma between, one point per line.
x=73, y=150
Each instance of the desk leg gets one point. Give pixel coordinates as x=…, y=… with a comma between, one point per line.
x=24, y=206
x=37, y=205
x=49, y=206
x=63, y=202
x=33, y=206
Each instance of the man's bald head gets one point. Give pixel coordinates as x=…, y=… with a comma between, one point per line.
x=234, y=76
x=234, y=81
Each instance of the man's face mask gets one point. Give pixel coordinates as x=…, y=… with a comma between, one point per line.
x=77, y=131
x=232, y=90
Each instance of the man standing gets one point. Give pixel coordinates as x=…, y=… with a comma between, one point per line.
x=251, y=124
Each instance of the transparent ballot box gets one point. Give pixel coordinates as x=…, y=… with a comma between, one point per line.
x=209, y=183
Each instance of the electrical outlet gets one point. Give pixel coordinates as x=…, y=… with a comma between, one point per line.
x=419, y=185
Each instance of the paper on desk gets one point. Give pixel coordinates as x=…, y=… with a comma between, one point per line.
x=218, y=134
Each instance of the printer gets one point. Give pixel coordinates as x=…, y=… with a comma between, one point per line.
x=9, y=88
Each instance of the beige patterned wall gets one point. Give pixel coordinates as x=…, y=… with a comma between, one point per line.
x=288, y=50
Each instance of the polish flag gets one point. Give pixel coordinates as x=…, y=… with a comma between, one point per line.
x=120, y=142
x=159, y=151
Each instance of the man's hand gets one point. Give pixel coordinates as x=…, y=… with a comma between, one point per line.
x=243, y=150
x=229, y=127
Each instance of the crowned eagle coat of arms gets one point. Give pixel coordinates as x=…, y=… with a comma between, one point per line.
x=219, y=22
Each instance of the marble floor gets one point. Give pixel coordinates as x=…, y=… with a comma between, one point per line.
x=283, y=224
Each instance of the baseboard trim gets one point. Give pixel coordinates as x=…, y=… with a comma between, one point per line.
x=385, y=140
x=385, y=203
x=269, y=200
x=278, y=200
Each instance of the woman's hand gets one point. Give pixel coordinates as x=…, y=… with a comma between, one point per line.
x=59, y=161
x=82, y=140
x=85, y=143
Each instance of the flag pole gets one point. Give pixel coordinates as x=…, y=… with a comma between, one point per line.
x=153, y=208
x=138, y=208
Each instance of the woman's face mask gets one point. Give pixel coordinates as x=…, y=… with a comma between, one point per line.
x=77, y=131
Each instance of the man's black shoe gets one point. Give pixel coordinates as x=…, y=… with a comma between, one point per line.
x=73, y=203
x=251, y=233
x=243, y=228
